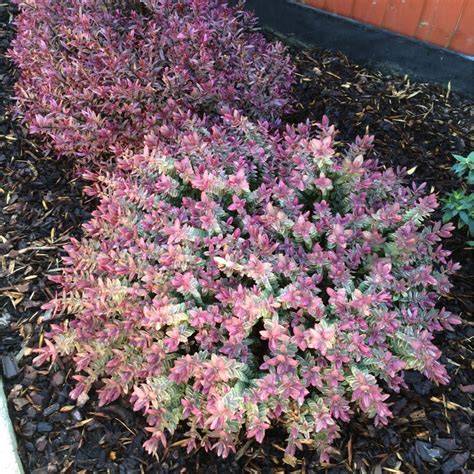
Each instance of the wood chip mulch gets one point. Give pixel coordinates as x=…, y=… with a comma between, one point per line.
x=41, y=206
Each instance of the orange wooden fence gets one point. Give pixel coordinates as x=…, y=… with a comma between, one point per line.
x=446, y=23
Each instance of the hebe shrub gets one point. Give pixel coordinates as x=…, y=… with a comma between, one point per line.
x=240, y=278
x=97, y=75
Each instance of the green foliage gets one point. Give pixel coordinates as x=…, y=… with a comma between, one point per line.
x=459, y=204
x=465, y=166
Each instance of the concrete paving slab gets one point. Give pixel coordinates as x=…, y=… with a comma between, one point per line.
x=9, y=460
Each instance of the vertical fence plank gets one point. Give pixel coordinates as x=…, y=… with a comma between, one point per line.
x=438, y=21
x=463, y=37
x=369, y=11
x=316, y=3
x=341, y=7
x=403, y=16
x=428, y=20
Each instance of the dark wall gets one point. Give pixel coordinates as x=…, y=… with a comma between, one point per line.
x=367, y=45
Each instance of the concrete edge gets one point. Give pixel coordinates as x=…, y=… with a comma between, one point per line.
x=365, y=44
x=9, y=459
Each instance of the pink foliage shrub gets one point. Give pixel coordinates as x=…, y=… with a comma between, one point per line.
x=240, y=278
x=96, y=76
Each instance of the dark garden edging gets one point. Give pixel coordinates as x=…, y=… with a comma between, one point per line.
x=366, y=44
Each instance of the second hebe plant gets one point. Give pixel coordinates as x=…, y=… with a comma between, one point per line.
x=238, y=278
x=97, y=75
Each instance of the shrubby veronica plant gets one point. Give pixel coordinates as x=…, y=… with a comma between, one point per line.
x=97, y=75
x=236, y=278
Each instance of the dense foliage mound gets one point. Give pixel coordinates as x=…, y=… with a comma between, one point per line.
x=239, y=278
x=96, y=75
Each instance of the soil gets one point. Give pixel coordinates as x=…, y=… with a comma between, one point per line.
x=41, y=206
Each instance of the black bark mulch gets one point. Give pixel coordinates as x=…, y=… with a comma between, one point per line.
x=41, y=206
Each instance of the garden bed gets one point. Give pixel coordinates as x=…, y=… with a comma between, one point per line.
x=417, y=126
